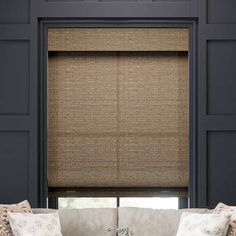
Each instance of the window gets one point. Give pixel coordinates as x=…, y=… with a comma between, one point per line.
x=87, y=202
x=154, y=202
x=147, y=202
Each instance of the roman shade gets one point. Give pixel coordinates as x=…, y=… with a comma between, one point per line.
x=118, y=107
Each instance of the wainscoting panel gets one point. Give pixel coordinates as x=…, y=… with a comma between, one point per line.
x=14, y=166
x=221, y=169
x=221, y=12
x=221, y=71
x=14, y=11
x=14, y=82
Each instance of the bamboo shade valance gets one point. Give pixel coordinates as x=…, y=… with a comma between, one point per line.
x=116, y=39
x=117, y=118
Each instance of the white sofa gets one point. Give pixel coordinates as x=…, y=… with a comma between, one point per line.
x=142, y=222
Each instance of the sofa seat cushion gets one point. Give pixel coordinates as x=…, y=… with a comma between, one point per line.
x=151, y=222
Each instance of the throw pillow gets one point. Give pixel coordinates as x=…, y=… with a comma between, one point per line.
x=26, y=224
x=5, y=229
x=194, y=224
x=222, y=208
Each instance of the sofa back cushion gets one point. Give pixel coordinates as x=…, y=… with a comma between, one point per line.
x=87, y=222
x=150, y=222
x=143, y=222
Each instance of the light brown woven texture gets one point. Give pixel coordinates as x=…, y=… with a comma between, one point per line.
x=118, y=119
x=116, y=39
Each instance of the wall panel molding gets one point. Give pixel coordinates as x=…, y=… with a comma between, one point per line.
x=221, y=150
x=219, y=11
x=14, y=83
x=14, y=32
x=221, y=71
x=14, y=11
x=14, y=149
x=14, y=123
x=114, y=9
x=220, y=32
x=220, y=122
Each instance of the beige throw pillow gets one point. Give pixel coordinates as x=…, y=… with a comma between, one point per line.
x=194, y=224
x=223, y=208
x=5, y=229
x=26, y=224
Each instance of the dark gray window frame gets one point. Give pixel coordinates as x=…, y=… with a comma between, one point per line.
x=44, y=24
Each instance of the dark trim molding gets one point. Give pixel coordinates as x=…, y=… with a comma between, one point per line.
x=183, y=202
x=53, y=202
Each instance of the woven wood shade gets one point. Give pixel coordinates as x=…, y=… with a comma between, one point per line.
x=118, y=119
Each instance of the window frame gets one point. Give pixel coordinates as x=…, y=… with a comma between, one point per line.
x=189, y=193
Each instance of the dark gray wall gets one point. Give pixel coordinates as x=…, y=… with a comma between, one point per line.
x=215, y=165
